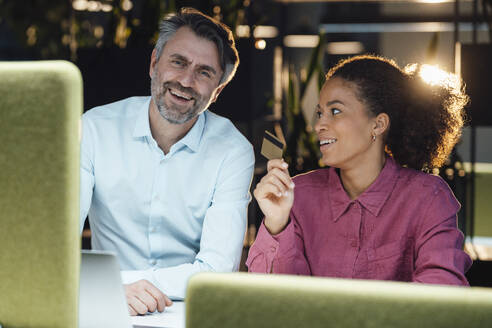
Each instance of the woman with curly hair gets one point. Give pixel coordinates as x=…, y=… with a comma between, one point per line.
x=375, y=213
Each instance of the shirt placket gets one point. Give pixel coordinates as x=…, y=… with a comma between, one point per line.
x=355, y=238
x=156, y=205
x=360, y=269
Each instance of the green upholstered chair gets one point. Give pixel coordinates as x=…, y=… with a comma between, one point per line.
x=483, y=194
x=40, y=109
x=252, y=300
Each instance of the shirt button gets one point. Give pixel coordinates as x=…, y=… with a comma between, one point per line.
x=273, y=249
x=152, y=262
x=153, y=229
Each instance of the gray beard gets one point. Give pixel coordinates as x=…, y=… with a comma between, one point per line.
x=173, y=115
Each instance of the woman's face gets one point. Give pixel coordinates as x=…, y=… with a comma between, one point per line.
x=344, y=126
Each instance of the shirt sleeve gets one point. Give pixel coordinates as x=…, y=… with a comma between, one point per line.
x=86, y=171
x=223, y=230
x=280, y=253
x=440, y=258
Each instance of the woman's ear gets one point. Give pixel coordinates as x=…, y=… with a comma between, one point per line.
x=382, y=124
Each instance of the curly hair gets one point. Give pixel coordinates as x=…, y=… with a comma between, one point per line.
x=426, y=118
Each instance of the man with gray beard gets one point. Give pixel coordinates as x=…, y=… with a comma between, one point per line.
x=166, y=183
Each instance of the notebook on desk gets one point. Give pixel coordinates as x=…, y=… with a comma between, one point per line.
x=102, y=301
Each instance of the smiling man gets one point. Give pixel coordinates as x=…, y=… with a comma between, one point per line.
x=166, y=183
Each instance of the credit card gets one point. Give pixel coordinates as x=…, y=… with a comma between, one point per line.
x=272, y=147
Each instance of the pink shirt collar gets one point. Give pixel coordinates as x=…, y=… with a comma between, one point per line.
x=373, y=199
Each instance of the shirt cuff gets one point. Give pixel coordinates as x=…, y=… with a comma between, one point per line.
x=269, y=244
x=131, y=276
x=285, y=236
x=265, y=241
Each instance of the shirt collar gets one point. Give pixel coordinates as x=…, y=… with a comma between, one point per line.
x=191, y=139
x=373, y=199
x=142, y=124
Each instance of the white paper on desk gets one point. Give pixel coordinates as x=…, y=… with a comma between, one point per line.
x=172, y=317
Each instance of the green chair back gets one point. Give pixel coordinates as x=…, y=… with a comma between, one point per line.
x=40, y=109
x=252, y=300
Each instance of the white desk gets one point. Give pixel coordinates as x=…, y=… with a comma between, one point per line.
x=172, y=317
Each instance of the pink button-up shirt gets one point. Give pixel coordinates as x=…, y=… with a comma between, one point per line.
x=403, y=227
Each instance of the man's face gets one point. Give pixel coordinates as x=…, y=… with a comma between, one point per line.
x=186, y=78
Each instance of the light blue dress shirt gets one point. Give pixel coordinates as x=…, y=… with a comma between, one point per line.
x=165, y=216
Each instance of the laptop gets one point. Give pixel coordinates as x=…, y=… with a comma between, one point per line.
x=102, y=301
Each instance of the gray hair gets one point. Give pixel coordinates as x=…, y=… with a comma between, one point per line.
x=205, y=27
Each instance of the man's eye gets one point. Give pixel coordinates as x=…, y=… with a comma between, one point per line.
x=205, y=74
x=178, y=62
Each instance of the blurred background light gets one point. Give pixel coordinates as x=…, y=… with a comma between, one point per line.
x=260, y=44
x=127, y=5
x=265, y=32
x=242, y=31
x=95, y=6
x=434, y=75
x=344, y=48
x=301, y=41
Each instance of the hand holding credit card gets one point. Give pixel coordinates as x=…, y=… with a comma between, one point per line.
x=272, y=147
x=275, y=191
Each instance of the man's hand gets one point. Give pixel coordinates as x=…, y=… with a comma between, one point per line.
x=142, y=297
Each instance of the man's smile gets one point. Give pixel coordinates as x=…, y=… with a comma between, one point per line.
x=179, y=95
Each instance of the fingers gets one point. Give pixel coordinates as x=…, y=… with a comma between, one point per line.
x=280, y=179
x=278, y=163
x=136, y=306
x=278, y=168
x=270, y=185
x=148, y=299
x=142, y=297
x=131, y=310
x=277, y=181
x=161, y=299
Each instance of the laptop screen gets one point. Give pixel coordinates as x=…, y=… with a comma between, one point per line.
x=102, y=301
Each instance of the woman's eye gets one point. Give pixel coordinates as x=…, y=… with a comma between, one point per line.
x=318, y=114
x=335, y=111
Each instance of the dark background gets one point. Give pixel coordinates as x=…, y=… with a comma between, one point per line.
x=111, y=43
